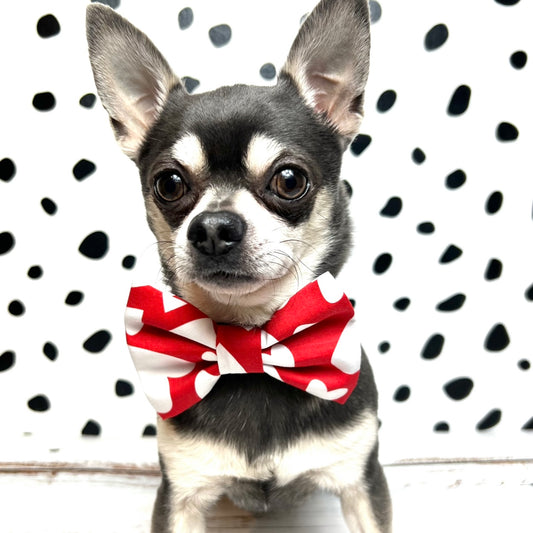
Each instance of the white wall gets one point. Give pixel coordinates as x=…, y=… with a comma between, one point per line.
x=78, y=386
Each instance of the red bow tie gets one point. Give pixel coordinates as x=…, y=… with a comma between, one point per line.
x=310, y=343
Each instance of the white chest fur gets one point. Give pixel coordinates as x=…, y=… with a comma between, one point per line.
x=332, y=461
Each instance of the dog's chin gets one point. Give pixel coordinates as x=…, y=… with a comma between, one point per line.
x=230, y=284
x=239, y=288
x=239, y=298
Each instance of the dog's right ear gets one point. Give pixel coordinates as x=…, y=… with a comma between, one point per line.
x=132, y=78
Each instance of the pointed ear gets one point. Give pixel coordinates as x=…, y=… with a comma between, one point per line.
x=132, y=78
x=329, y=60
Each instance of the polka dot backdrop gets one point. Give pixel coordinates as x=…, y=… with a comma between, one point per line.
x=442, y=269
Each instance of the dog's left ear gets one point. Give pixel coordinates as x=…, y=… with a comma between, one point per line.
x=329, y=61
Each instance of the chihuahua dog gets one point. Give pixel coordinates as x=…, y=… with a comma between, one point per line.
x=242, y=192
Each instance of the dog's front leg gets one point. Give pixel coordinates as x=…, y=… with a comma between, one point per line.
x=366, y=506
x=182, y=511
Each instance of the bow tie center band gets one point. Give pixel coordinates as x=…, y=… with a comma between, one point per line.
x=311, y=343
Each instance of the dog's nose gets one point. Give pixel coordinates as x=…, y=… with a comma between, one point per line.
x=216, y=233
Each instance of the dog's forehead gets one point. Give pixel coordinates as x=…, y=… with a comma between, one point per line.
x=238, y=132
x=229, y=122
x=257, y=156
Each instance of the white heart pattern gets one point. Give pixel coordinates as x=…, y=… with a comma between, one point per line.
x=347, y=354
x=154, y=370
x=330, y=290
x=318, y=388
x=279, y=355
x=134, y=322
x=204, y=382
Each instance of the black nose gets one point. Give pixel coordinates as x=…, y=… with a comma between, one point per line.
x=216, y=233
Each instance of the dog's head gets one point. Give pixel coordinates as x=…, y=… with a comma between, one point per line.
x=241, y=184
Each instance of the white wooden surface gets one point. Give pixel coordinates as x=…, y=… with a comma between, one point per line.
x=428, y=498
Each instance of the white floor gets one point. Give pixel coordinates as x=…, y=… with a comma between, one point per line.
x=486, y=498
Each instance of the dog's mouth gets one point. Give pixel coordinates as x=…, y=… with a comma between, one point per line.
x=223, y=278
x=223, y=283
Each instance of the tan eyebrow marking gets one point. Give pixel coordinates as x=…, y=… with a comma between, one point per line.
x=190, y=153
x=262, y=152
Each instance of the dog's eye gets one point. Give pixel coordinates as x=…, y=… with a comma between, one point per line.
x=289, y=184
x=169, y=186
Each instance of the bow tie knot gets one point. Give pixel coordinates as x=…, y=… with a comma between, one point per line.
x=238, y=350
x=310, y=343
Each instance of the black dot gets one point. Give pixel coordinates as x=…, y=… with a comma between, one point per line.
x=382, y=263
x=360, y=144
x=386, y=100
x=83, y=169
x=418, y=156
x=507, y=2
x=497, y=339
x=91, y=429
x=347, y=188
x=50, y=350
x=450, y=254
x=16, y=308
x=524, y=364
x=402, y=393
x=220, y=35
x=7, y=169
x=111, y=3
x=129, y=262
x=494, y=203
x=7, y=242
x=506, y=132
x=426, y=228
x=384, y=347
x=456, y=179
x=375, y=11
x=493, y=270
x=190, y=83
x=402, y=304
x=459, y=100
x=48, y=26
x=392, y=207
x=95, y=245
x=49, y=206
x=353, y=302
x=441, y=427
x=268, y=71
x=436, y=37
x=88, y=100
x=7, y=360
x=453, y=303
x=518, y=59
x=185, y=18
x=74, y=298
x=459, y=389
x=44, y=101
x=489, y=420
x=529, y=293
x=433, y=347
x=150, y=431
x=39, y=403
x=123, y=388
x=98, y=341
x=35, y=272
x=528, y=425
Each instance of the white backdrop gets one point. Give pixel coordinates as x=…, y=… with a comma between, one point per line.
x=443, y=203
